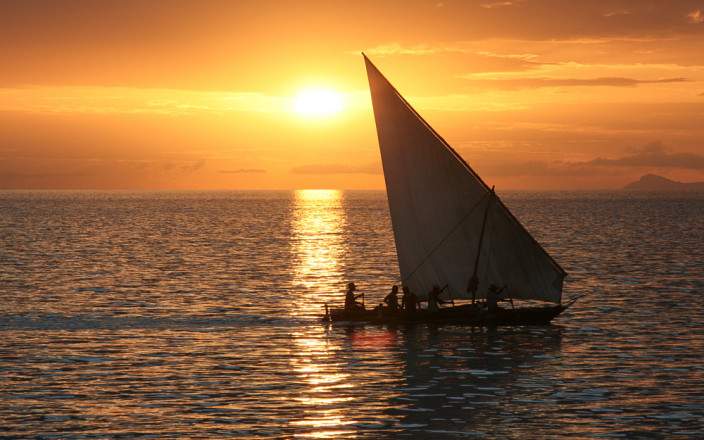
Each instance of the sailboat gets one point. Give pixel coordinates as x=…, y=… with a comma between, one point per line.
x=451, y=230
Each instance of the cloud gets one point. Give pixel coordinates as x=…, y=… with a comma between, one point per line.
x=651, y=156
x=133, y=100
x=470, y=57
x=191, y=167
x=54, y=45
x=512, y=56
x=169, y=166
x=95, y=173
x=494, y=5
x=518, y=168
x=416, y=50
x=457, y=48
x=656, y=155
x=531, y=83
x=695, y=17
x=8, y=175
x=616, y=13
x=336, y=169
x=243, y=171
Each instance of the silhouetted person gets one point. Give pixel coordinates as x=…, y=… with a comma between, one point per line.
x=409, y=300
x=391, y=300
x=434, y=299
x=472, y=287
x=493, y=296
x=351, y=303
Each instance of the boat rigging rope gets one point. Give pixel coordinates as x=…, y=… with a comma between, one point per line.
x=452, y=231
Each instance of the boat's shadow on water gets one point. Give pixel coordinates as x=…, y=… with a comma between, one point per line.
x=462, y=381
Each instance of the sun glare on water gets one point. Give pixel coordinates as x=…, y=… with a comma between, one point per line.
x=318, y=103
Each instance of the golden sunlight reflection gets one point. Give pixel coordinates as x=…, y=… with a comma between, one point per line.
x=322, y=399
x=317, y=248
x=317, y=245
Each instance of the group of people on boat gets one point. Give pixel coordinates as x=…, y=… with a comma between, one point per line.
x=409, y=300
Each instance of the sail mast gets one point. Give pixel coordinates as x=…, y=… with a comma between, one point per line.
x=474, y=281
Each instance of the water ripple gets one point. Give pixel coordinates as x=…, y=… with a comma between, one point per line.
x=145, y=315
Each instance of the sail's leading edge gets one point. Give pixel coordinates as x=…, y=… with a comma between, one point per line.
x=437, y=204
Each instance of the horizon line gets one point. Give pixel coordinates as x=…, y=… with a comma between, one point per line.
x=287, y=189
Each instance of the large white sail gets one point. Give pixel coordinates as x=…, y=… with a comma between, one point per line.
x=438, y=203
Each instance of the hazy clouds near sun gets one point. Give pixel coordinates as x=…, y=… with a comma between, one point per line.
x=185, y=94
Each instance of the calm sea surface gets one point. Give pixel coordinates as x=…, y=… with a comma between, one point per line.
x=194, y=315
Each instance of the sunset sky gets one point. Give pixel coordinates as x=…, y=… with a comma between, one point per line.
x=214, y=94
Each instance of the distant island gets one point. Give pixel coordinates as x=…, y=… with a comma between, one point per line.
x=652, y=182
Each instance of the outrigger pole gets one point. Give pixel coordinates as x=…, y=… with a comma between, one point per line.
x=474, y=281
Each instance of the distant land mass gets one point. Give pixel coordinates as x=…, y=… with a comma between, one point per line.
x=652, y=182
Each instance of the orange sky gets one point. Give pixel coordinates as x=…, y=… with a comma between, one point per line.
x=198, y=94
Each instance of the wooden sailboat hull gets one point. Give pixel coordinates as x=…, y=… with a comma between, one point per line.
x=460, y=315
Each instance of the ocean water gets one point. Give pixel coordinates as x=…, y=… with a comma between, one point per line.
x=194, y=315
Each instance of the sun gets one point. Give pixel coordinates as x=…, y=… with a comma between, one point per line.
x=316, y=103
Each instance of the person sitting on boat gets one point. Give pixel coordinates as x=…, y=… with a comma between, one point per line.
x=351, y=303
x=434, y=299
x=391, y=300
x=493, y=296
x=409, y=300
